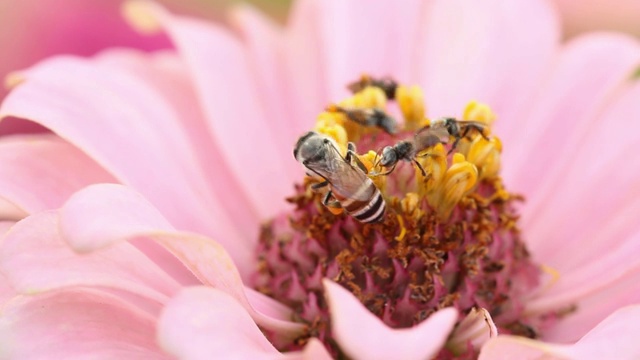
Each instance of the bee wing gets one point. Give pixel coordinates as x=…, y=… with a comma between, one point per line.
x=430, y=136
x=345, y=179
x=360, y=116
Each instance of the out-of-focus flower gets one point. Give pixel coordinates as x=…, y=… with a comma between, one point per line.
x=593, y=15
x=31, y=30
x=200, y=142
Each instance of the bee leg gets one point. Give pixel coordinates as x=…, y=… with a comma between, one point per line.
x=330, y=203
x=424, y=173
x=352, y=157
x=319, y=185
x=453, y=146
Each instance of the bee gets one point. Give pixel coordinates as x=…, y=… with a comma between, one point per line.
x=368, y=117
x=439, y=131
x=447, y=127
x=386, y=84
x=349, y=186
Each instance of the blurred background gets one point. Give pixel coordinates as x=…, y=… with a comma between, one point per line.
x=33, y=29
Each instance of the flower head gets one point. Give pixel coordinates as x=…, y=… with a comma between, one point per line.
x=198, y=142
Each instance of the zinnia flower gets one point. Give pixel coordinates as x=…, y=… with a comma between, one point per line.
x=152, y=221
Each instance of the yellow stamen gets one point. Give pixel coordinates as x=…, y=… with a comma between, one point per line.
x=369, y=160
x=434, y=162
x=331, y=124
x=411, y=102
x=410, y=205
x=555, y=276
x=403, y=230
x=369, y=97
x=478, y=111
x=485, y=155
x=461, y=177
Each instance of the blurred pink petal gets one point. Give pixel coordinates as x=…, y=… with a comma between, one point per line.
x=613, y=338
x=36, y=259
x=202, y=323
x=86, y=215
x=40, y=172
x=563, y=111
x=33, y=29
x=263, y=41
x=54, y=93
x=364, y=336
x=167, y=73
x=470, y=50
x=229, y=99
x=591, y=15
x=76, y=324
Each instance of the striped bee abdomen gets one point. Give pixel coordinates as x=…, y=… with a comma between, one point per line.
x=370, y=210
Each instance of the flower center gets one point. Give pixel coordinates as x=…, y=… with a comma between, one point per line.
x=448, y=235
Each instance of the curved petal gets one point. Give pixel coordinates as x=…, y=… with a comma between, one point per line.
x=229, y=98
x=567, y=105
x=591, y=309
x=76, y=324
x=362, y=335
x=35, y=259
x=351, y=43
x=264, y=42
x=203, y=323
x=471, y=50
x=600, y=179
x=127, y=216
x=168, y=74
x=126, y=126
x=40, y=172
x=101, y=214
x=614, y=338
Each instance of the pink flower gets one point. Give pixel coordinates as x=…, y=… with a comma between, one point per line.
x=137, y=219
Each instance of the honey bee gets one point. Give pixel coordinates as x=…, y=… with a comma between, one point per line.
x=368, y=117
x=439, y=131
x=349, y=186
x=447, y=127
x=386, y=84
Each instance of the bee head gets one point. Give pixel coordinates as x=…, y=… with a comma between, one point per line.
x=389, y=156
x=311, y=147
x=452, y=126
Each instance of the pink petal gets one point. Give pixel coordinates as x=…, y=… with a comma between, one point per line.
x=76, y=324
x=596, y=186
x=127, y=127
x=264, y=42
x=6, y=290
x=102, y=215
x=35, y=259
x=471, y=50
x=228, y=94
x=40, y=172
x=362, y=335
x=593, y=308
x=567, y=106
x=202, y=323
x=167, y=73
x=303, y=62
x=614, y=338
x=33, y=30
x=592, y=15
x=351, y=42
x=99, y=215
